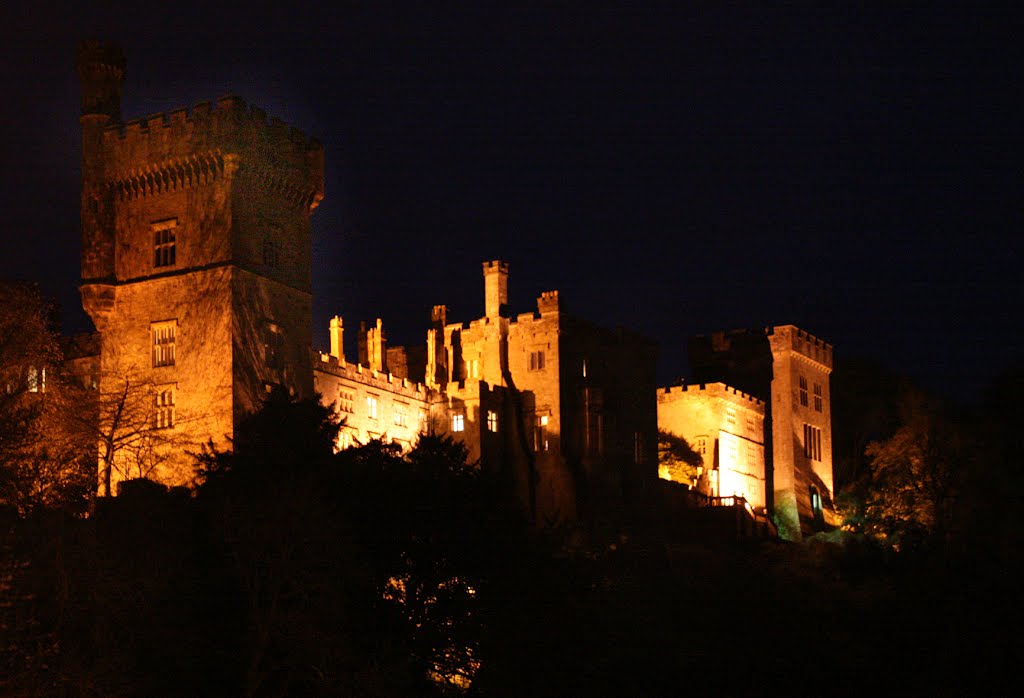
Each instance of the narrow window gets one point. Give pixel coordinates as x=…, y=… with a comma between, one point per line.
x=817, y=397
x=458, y=422
x=273, y=347
x=536, y=360
x=492, y=421
x=803, y=391
x=816, y=505
x=812, y=442
x=540, y=433
x=164, y=337
x=371, y=406
x=638, y=447
x=730, y=417
x=36, y=380
x=164, y=243
x=345, y=401
x=700, y=445
x=401, y=416
x=163, y=416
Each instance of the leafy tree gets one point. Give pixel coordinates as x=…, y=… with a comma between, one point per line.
x=910, y=493
x=41, y=456
x=677, y=461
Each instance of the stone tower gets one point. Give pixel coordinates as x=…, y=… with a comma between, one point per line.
x=789, y=369
x=195, y=261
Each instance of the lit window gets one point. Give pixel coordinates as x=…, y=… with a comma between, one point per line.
x=817, y=397
x=458, y=422
x=803, y=391
x=816, y=505
x=540, y=433
x=812, y=442
x=371, y=406
x=536, y=360
x=492, y=420
x=584, y=368
x=36, y=380
x=163, y=416
x=401, y=417
x=164, y=334
x=273, y=343
x=164, y=240
x=344, y=439
x=424, y=422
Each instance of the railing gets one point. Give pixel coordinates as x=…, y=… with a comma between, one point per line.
x=760, y=523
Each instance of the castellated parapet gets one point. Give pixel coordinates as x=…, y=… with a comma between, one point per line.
x=789, y=368
x=196, y=253
x=180, y=148
x=726, y=427
x=806, y=345
x=719, y=390
x=548, y=302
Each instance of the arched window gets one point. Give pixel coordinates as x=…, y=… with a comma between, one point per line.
x=816, y=506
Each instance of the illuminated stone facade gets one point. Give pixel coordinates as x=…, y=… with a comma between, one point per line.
x=790, y=369
x=564, y=408
x=726, y=427
x=196, y=262
x=195, y=256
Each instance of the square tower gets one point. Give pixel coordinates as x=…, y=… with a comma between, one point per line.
x=195, y=264
x=789, y=369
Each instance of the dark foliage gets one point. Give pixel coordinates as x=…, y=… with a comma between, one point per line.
x=293, y=570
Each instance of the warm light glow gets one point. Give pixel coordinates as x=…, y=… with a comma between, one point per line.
x=458, y=422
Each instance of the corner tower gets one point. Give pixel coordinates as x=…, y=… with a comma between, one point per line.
x=790, y=370
x=196, y=261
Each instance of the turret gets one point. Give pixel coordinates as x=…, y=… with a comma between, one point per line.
x=100, y=66
x=372, y=346
x=495, y=288
x=337, y=337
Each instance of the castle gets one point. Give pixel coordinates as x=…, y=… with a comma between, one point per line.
x=196, y=264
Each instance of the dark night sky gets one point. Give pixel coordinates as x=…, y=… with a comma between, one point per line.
x=852, y=171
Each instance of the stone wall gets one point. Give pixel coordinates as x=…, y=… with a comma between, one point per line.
x=726, y=426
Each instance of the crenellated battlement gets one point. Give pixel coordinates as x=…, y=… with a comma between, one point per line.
x=806, y=345
x=710, y=390
x=359, y=373
x=183, y=147
x=547, y=302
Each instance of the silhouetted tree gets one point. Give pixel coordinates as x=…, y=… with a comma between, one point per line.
x=41, y=454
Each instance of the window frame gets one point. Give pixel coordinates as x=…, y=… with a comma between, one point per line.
x=163, y=341
x=165, y=243
x=165, y=400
